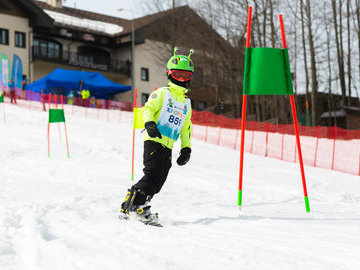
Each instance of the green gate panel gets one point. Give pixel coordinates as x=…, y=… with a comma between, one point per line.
x=267, y=72
x=56, y=115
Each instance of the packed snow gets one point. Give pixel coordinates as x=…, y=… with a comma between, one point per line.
x=62, y=213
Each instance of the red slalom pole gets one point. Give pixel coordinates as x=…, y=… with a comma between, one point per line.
x=133, y=142
x=243, y=116
x=66, y=136
x=49, y=127
x=306, y=198
x=56, y=105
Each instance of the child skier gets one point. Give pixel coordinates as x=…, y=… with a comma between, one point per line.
x=166, y=115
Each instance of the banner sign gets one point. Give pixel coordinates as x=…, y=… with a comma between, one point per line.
x=17, y=71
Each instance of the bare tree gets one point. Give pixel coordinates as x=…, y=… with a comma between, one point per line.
x=328, y=38
x=314, y=82
x=305, y=56
x=318, y=51
x=338, y=39
x=348, y=50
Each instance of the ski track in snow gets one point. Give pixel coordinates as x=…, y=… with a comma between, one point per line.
x=60, y=213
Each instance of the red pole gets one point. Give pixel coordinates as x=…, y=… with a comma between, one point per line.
x=66, y=136
x=56, y=105
x=333, y=155
x=243, y=116
x=133, y=142
x=293, y=108
x=49, y=126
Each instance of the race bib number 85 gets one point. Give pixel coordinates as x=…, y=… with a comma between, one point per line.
x=175, y=120
x=172, y=116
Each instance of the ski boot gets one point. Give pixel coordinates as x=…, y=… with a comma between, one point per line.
x=142, y=213
x=136, y=206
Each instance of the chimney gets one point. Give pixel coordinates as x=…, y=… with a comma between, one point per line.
x=55, y=3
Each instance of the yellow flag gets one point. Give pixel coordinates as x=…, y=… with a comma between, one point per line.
x=138, y=120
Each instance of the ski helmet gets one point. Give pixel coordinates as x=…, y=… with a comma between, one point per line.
x=180, y=68
x=180, y=62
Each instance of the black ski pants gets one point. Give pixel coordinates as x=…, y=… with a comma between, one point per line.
x=157, y=162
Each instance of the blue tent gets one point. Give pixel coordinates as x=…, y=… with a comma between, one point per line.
x=63, y=80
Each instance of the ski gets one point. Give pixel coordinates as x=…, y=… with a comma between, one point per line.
x=146, y=222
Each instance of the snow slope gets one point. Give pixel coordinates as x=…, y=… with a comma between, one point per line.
x=60, y=213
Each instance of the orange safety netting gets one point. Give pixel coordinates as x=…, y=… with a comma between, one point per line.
x=325, y=147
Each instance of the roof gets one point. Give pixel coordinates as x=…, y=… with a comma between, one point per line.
x=143, y=23
x=352, y=108
x=340, y=113
x=83, y=14
x=37, y=16
x=93, y=25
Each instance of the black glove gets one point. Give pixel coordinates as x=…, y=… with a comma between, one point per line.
x=184, y=156
x=152, y=129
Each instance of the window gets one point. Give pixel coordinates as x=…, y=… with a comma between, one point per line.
x=144, y=74
x=20, y=40
x=144, y=98
x=4, y=36
x=47, y=48
x=201, y=105
x=93, y=55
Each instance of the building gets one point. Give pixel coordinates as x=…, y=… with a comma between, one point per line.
x=48, y=35
x=332, y=111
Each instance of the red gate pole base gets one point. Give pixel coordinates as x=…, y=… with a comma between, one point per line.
x=293, y=109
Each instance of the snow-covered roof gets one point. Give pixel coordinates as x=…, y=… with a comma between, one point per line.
x=340, y=113
x=108, y=28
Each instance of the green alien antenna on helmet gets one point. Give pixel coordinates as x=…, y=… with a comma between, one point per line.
x=180, y=62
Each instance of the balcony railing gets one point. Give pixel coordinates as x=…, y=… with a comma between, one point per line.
x=78, y=60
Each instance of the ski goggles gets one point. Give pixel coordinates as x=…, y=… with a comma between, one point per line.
x=180, y=75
